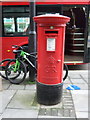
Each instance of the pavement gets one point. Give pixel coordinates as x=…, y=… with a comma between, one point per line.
x=19, y=101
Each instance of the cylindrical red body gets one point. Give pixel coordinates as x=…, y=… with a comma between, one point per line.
x=51, y=38
x=50, y=47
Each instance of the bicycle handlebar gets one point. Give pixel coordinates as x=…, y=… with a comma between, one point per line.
x=16, y=46
x=22, y=48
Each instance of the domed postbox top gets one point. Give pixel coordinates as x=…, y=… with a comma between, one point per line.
x=51, y=19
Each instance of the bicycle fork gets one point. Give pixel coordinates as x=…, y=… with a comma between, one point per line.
x=17, y=65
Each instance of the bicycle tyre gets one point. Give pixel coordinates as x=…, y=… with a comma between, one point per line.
x=16, y=79
x=3, y=68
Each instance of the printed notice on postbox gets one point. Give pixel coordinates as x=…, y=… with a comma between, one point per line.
x=51, y=44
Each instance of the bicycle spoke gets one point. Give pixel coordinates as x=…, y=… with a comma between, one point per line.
x=3, y=66
x=17, y=71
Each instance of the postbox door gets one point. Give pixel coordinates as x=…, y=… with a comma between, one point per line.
x=50, y=58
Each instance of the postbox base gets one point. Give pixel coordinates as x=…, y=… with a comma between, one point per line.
x=49, y=94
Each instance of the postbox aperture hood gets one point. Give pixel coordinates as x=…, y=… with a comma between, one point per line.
x=50, y=19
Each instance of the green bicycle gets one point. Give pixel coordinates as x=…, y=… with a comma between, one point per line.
x=16, y=69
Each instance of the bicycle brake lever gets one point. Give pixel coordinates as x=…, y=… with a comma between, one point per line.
x=14, y=46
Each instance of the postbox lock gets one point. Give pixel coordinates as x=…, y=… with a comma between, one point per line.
x=51, y=27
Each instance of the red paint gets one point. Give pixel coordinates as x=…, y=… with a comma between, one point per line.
x=50, y=63
x=7, y=43
x=15, y=3
x=83, y=2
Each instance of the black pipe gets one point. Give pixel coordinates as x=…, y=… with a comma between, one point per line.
x=32, y=38
x=32, y=32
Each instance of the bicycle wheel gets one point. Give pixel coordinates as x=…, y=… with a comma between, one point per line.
x=17, y=71
x=3, y=64
x=66, y=72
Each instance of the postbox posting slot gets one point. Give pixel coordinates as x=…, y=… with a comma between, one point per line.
x=50, y=32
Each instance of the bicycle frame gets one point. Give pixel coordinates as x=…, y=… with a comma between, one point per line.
x=15, y=66
x=24, y=55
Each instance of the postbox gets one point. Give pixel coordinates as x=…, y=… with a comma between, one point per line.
x=50, y=47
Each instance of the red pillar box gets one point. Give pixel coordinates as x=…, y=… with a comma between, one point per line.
x=51, y=38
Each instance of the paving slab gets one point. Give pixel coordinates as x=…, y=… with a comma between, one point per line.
x=16, y=87
x=78, y=74
x=82, y=86
x=0, y=83
x=0, y=102
x=6, y=97
x=19, y=113
x=5, y=86
x=85, y=76
x=74, y=76
x=4, y=81
x=0, y=116
x=72, y=113
x=78, y=81
x=52, y=117
x=81, y=114
x=79, y=71
x=30, y=87
x=55, y=118
x=24, y=99
x=60, y=112
x=80, y=99
x=89, y=114
x=88, y=86
x=86, y=79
